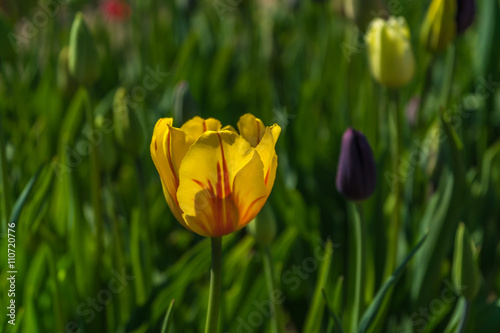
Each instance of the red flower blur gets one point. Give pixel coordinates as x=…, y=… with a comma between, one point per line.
x=115, y=10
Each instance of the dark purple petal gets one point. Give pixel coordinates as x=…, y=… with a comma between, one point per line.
x=466, y=10
x=356, y=172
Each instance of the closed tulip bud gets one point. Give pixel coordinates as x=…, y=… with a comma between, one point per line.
x=439, y=28
x=356, y=171
x=106, y=149
x=389, y=52
x=465, y=271
x=128, y=130
x=84, y=64
x=185, y=106
x=466, y=10
x=263, y=227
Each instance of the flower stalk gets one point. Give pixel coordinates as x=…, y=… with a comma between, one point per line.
x=357, y=267
x=215, y=286
x=396, y=216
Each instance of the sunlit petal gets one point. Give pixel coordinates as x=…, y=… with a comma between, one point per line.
x=161, y=155
x=195, y=127
x=268, y=154
x=251, y=129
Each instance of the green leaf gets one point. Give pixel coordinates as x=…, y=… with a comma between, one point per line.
x=21, y=201
x=336, y=319
x=436, y=223
x=167, y=321
x=456, y=316
x=316, y=310
x=372, y=311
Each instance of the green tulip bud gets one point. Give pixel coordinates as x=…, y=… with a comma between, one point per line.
x=128, y=130
x=106, y=149
x=84, y=64
x=185, y=106
x=440, y=27
x=389, y=52
x=263, y=227
x=465, y=271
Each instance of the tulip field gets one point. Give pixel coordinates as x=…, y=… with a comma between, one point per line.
x=237, y=166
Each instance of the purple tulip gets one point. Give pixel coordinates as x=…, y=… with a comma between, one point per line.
x=356, y=172
x=466, y=9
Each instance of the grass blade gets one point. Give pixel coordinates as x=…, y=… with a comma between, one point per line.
x=167, y=321
x=21, y=201
x=372, y=311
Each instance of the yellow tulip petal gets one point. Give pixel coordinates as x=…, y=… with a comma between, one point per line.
x=229, y=128
x=207, y=175
x=180, y=143
x=251, y=129
x=268, y=154
x=161, y=155
x=195, y=127
x=250, y=192
x=173, y=206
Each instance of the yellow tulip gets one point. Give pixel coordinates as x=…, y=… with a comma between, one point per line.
x=440, y=27
x=389, y=51
x=215, y=180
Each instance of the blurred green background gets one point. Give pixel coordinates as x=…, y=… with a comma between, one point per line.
x=97, y=249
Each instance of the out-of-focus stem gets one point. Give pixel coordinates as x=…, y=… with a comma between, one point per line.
x=424, y=93
x=465, y=317
x=358, y=270
x=396, y=216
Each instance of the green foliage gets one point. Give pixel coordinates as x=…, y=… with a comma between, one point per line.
x=92, y=224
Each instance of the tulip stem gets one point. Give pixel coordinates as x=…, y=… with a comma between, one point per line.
x=425, y=92
x=215, y=286
x=465, y=316
x=95, y=177
x=396, y=189
x=357, y=267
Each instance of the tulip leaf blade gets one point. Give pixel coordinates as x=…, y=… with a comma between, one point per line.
x=21, y=201
x=167, y=321
x=372, y=311
x=316, y=310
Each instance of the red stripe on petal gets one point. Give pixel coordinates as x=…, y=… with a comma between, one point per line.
x=199, y=183
x=245, y=216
